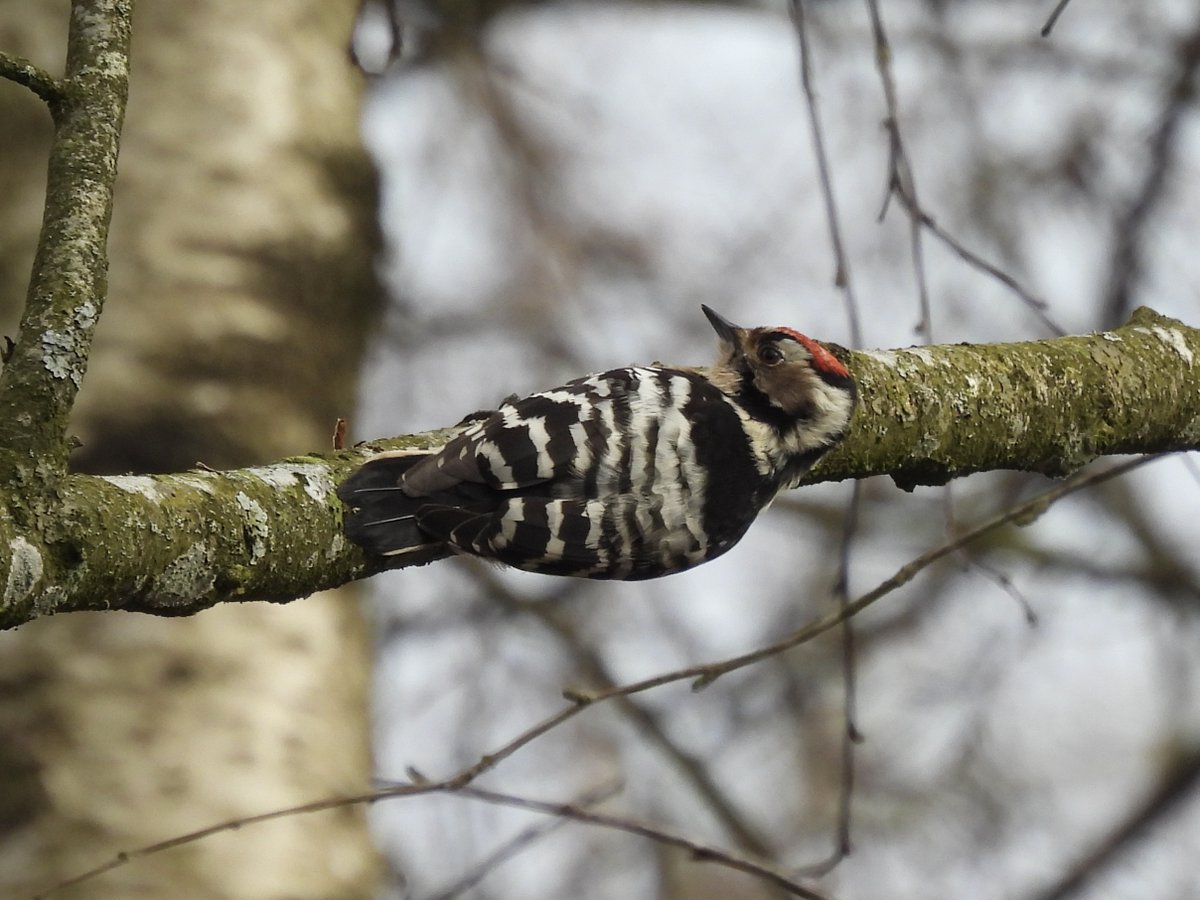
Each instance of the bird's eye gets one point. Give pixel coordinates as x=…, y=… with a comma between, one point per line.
x=770, y=354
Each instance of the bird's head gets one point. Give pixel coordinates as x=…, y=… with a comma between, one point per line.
x=786, y=379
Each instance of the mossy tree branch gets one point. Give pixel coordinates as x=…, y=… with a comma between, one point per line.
x=176, y=544
x=68, y=284
x=24, y=72
x=929, y=414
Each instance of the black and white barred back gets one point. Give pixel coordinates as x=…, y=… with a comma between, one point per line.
x=632, y=473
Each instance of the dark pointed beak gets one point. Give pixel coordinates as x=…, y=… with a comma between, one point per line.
x=725, y=329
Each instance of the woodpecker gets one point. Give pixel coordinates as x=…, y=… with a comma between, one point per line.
x=633, y=473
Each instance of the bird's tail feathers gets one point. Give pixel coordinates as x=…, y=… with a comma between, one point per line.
x=381, y=517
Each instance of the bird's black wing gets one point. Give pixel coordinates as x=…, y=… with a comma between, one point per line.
x=551, y=436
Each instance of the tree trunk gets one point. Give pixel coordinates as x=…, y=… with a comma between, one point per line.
x=240, y=291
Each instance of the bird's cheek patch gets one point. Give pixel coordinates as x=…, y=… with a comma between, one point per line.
x=786, y=393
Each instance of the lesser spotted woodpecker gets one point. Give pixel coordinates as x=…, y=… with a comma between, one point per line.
x=629, y=474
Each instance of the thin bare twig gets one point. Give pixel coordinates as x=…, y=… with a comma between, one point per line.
x=699, y=851
x=851, y=736
x=127, y=856
x=1002, y=581
x=970, y=561
x=548, y=613
x=1179, y=784
x=1035, y=303
x=901, y=184
x=519, y=843
x=841, y=276
x=900, y=172
x=22, y=71
x=850, y=733
x=1054, y=14
x=1022, y=514
x=1161, y=163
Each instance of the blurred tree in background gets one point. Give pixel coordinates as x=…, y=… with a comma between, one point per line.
x=242, y=288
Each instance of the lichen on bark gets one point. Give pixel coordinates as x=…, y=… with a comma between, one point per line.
x=929, y=414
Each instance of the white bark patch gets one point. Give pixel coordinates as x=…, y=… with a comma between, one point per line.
x=189, y=575
x=1173, y=339
x=312, y=477
x=898, y=359
x=202, y=483
x=922, y=354
x=256, y=527
x=24, y=571
x=136, y=484
x=336, y=546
